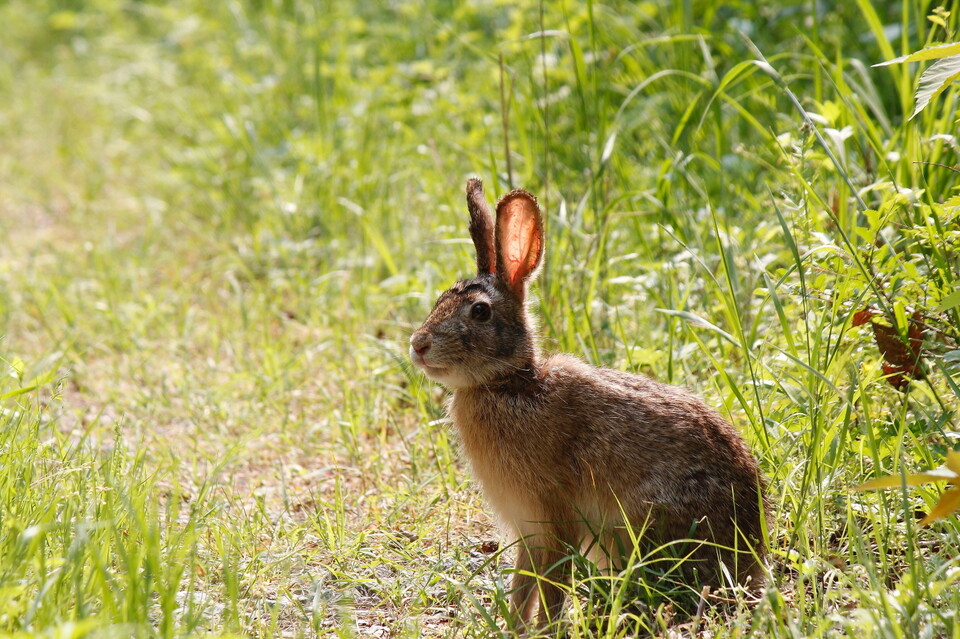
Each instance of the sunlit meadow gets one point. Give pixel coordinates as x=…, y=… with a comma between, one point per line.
x=222, y=221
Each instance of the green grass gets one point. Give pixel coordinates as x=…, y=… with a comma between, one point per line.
x=222, y=221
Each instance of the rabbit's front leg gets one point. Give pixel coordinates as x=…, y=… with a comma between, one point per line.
x=554, y=567
x=523, y=586
x=541, y=573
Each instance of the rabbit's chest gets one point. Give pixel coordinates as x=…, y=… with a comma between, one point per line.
x=510, y=452
x=502, y=433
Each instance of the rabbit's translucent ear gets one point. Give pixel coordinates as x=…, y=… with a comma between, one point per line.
x=481, y=226
x=519, y=239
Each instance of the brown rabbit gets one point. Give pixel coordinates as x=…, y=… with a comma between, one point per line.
x=569, y=454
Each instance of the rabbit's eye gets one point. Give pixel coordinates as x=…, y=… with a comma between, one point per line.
x=480, y=311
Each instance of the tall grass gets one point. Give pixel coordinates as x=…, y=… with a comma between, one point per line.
x=223, y=220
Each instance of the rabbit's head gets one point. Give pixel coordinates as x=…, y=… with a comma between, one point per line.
x=479, y=331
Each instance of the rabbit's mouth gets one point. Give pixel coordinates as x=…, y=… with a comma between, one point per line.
x=433, y=372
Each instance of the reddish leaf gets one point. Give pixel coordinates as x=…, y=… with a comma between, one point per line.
x=902, y=358
x=895, y=375
x=892, y=347
x=862, y=317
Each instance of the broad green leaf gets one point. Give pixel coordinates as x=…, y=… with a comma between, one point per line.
x=948, y=302
x=930, y=53
x=949, y=503
x=952, y=202
x=935, y=80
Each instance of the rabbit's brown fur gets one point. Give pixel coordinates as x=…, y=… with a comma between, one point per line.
x=569, y=454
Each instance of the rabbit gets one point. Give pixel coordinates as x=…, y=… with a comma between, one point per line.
x=569, y=454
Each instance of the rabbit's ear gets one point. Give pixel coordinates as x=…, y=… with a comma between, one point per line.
x=519, y=239
x=481, y=226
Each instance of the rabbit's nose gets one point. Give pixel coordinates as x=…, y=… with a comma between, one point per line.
x=420, y=342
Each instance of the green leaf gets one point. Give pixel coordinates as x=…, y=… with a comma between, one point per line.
x=37, y=382
x=935, y=80
x=930, y=53
x=696, y=320
x=950, y=301
x=952, y=202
